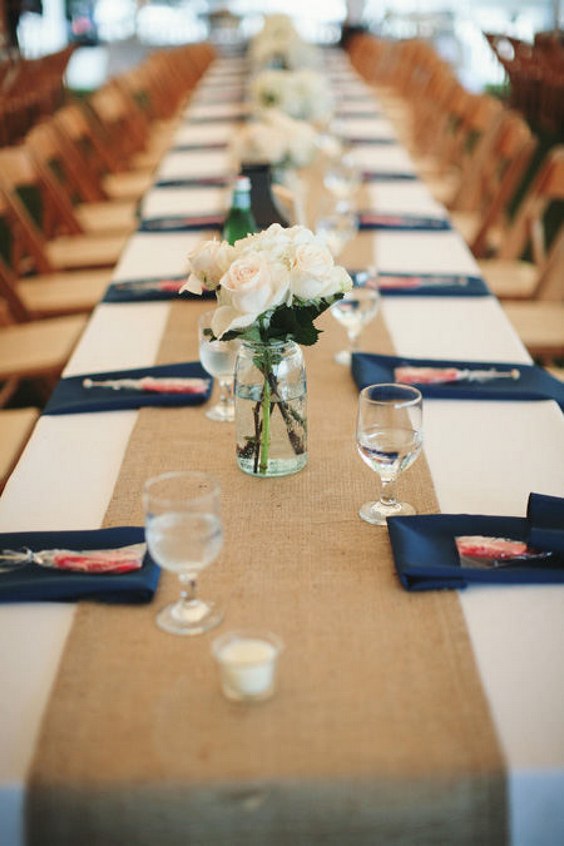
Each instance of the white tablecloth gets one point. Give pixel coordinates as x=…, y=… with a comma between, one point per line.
x=485, y=457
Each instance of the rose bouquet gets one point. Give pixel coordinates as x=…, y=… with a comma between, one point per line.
x=276, y=138
x=303, y=94
x=270, y=289
x=279, y=44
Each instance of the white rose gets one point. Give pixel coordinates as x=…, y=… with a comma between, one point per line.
x=207, y=263
x=274, y=241
x=259, y=143
x=252, y=285
x=333, y=280
x=313, y=257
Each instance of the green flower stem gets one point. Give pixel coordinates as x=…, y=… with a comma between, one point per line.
x=265, y=434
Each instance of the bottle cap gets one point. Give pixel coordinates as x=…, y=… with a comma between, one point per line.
x=242, y=183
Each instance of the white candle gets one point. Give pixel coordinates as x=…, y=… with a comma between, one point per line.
x=247, y=664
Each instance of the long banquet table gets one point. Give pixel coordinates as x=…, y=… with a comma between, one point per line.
x=339, y=755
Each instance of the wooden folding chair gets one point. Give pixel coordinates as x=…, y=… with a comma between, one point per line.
x=124, y=125
x=508, y=275
x=36, y=350
x=497, y=181
x=101, y=148
x=16, y=426
x=43, y=295
x=59, y=163
x=56, y=240
x=539, y=322
x=473, y=120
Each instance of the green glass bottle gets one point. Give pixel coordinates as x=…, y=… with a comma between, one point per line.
x=240, y=220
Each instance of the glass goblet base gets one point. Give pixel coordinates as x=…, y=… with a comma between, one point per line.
x=343, y=357
x=189, y=617
x=222, y=413
x=377, y=513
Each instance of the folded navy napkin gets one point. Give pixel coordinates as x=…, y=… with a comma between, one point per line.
x=354, y=113
x=395, y=284
x=226, y=118
x=33, y=583
x=546, y=521
x=151, y=288
x=192, y=148
x=385, y=176
x=71, y=397
x=401, y=222
x=426, y=556
x=533, y=383
x=375, y=142
x=193, y=182
x=182, y=223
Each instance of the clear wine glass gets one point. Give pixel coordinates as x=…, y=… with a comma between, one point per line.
x=357, y=308
x=218, y=359
x=184, y=534
x=389, y=438
x=343, y=179
x=336, y=228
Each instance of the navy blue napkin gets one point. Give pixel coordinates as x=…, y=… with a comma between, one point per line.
x=384, y=176
x=392, y=284
x=546, y=520
x=227, y=118
x=182, y=223
x=426, y=557
x=352, y=113
x=33, y=583
x=193, y=182
x=534, y=383
x=401, y=222
x=192, y=148
x=70, y=397
x=375, y=142
x=151, y=288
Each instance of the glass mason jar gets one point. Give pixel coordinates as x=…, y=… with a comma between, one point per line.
x=270, y=408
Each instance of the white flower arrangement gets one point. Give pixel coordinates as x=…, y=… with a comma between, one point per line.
x=276, y=138
x=279, y=44
x=304, y=94
x=269, y=286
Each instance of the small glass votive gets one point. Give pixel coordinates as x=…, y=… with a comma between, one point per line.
x=247, y=664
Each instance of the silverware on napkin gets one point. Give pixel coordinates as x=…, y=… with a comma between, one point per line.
x=121, y=560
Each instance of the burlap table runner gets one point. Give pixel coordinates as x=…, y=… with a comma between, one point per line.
x=379, y=731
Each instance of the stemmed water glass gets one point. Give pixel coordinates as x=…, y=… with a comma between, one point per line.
x=357, y=308
x=389, y=438
x=184, y=534
x=218, y=359
x=343, y=179
x=335, y=228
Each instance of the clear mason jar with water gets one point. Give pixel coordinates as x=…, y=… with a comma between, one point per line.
x=270, y=408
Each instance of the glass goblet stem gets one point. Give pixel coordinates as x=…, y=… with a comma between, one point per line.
x=354, y=339
x=388, y=493
x=188, y=588
x=225, y=393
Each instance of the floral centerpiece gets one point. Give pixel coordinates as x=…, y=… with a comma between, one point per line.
x=280, y=45
x=270, y=289
x=303, y=94
x=276, y=138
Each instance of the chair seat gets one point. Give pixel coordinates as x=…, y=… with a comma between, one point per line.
x=443, y=187
x=106, y=217
x=468, y=224
x=129, y=185
x=74, y=251
x=540, y=325
x=16, y=425
x=40, y=348
x=63, y=293
x=510, y=279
